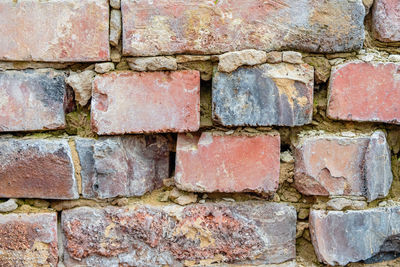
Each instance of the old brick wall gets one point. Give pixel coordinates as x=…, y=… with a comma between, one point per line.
x=199, y=133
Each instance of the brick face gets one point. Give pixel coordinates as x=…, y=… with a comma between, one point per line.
x=133, y=102
x=360, y=91
x=209, y=27
x=331, y=165
x=343, y=237
x=145, y=235
x=32, y=100
x=386, y=20
x=269, y=94
x=65, y=30
x=209, y=163
x=122, y=166
x=28, y=239
x=36, y=168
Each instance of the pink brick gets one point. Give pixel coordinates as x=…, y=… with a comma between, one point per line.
x=327, y=164
x=212, y=27
x=134, y=102
x=361, y=91
x=227, y=163
x=32, y=100
x=63, y=30
x=28, y=239
x=386, y=20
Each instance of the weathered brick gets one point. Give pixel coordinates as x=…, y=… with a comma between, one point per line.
x=386, y=20
x=65, y=30
x=122, y=166
x=365, y=235
x=336, y=165
x=144, y=235
x=36, y=168
x=269, y=94
x=227, y=163
x=361, y=91
x=133, y=102
x=211, y=27
x=32, y=100
x=28, y=240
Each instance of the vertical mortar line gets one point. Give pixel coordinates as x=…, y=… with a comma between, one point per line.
x=60, y=241
x=77, y=164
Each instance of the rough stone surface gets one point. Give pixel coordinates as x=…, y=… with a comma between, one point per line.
x=36, y=168
x=143, y=235
x=369, y=235
x=322, y=68
x=115, y=27
x=274, y=57
x=28, y=240
x=342, y=203
x=292, y=57
x=115, y=4
x=69, y=30
x=152, y=63
x=269, y=94
x=8, y=206
x=122, y=166
x=132, y=102
x=227, y=163
x=337, y=165
x=361, y=91
x=32, y=100
x=168, y=27
x=104, y=67
x=386, y=20
x=206, y=68
x=82, y=84
x=191, y=58
x=229, y=62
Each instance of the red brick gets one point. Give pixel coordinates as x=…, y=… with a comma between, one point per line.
x=327, y=164
x=32, y=100
x=134, y=102
x=227, y=163
x=211, y=27
x=28, y=240
x=146, y=235
x=361, y=91
x=36, y=168
x=386, y=20
x=65, y=30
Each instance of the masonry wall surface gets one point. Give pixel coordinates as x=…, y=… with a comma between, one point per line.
x=199, y=133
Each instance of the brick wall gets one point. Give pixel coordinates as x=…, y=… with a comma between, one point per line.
x=199, y=133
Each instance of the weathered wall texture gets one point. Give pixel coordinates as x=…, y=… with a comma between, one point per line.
x=199, y=133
